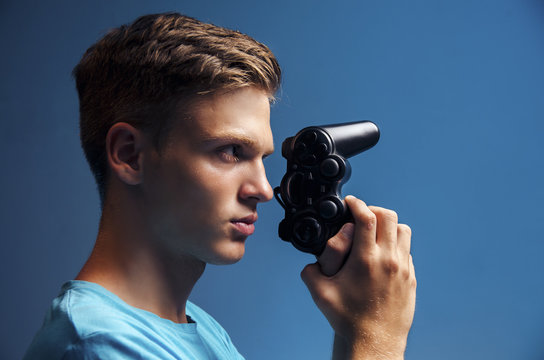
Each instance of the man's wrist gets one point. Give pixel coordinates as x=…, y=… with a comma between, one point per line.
x=367, y=348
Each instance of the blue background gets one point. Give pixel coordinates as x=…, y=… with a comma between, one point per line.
x=457, y=88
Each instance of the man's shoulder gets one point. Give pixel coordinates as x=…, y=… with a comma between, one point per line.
x=90, y=309
x=86, y=318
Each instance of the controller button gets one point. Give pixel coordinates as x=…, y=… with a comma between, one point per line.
x=329, y=167
x=300, y=147
x=328, y=209
x=309, y=160
x=307, y=230
x=310, y=137
x=321, y=148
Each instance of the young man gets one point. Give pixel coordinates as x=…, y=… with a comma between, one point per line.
x=175, y=126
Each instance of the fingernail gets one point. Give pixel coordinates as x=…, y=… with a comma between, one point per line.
x=347, y=230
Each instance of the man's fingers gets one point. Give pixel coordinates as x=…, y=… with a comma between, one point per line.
x=337, y=250
x=365, y=225
x=386, y=235
x=404, y=236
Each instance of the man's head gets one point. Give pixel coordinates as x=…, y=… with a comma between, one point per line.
x=200, y=193
x=146, y=73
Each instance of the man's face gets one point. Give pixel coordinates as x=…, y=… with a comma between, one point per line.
x=201, y=191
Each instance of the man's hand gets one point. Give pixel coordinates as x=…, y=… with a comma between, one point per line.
x=365, y=284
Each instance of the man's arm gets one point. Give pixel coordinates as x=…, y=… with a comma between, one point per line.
x=365, y=284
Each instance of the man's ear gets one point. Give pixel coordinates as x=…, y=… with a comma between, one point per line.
x=124, y=144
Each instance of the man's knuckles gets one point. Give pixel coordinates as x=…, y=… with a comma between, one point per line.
x=405, y=273
x=391, y=265
x=377, y=264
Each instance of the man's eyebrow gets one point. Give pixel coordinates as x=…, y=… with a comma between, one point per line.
x=235, y=138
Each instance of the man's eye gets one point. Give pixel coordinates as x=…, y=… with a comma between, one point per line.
x=230, y=153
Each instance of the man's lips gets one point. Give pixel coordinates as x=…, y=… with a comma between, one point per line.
x=245, y=225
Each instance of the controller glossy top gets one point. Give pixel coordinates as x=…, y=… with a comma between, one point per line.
x=310, y=191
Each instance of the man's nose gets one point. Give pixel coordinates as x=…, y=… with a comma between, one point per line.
x=256, y=185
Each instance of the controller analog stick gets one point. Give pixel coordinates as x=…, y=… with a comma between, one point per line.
x=328, y=209
x=307, y=230
x=330, y=167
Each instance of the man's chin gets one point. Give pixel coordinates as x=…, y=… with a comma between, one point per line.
x=229, y=254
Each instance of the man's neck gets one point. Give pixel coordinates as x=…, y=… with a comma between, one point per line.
x=126, y=262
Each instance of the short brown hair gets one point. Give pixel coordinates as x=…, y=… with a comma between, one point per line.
x=138, y=72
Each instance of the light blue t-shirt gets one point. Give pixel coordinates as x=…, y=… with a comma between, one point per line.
x=86, y=321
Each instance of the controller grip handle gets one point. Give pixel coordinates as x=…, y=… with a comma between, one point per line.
x=351, y=139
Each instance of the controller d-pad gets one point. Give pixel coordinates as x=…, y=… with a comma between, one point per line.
x=311, y=147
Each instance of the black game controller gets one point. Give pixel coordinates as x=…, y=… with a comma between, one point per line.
x=317, y=167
